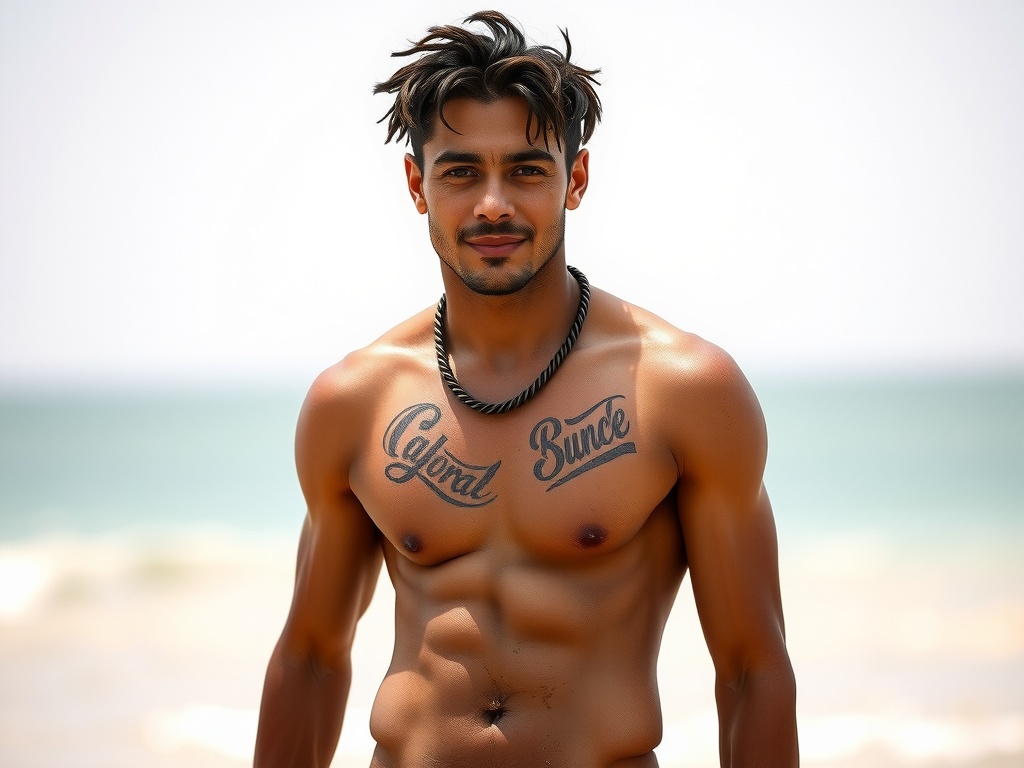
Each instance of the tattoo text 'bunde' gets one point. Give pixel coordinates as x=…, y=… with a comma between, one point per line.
x=419, y=448
x=570, y=447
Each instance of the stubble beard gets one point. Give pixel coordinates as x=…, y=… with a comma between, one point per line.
x=484, y=283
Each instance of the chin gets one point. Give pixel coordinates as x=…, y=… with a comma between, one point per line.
x=499, y=280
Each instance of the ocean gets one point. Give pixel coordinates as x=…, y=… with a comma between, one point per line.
x=147, y=546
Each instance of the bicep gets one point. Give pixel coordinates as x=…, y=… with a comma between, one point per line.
x=338, y=564
x=339, y=556
x=733, y=557
x=726, y=520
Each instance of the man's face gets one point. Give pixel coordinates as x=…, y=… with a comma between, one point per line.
x=495, y=203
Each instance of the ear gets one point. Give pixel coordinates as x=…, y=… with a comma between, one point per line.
x=414, y=178
x=579, y=176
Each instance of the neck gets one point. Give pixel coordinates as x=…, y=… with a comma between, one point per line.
x=501, y=331
x=512, y=372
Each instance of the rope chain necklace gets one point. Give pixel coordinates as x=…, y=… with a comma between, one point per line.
x=497, y=408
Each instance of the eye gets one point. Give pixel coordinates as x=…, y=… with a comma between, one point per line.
x=529, y=170
x=459, y=173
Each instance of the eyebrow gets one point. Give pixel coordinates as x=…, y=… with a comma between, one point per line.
x=526, y=156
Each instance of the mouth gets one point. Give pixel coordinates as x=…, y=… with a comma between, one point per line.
x=495, y=246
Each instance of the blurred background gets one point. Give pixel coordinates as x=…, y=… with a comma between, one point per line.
x=198, y=214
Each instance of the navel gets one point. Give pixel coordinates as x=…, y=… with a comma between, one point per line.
x=592, y=535
x=494, y=711
x=412, y=543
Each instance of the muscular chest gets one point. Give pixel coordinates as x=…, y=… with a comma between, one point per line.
x=574, y=473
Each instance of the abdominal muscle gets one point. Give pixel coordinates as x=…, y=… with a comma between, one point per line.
x=500, y=661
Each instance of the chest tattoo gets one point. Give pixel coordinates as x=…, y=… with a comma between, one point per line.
x=417, y=444
x=570, y=447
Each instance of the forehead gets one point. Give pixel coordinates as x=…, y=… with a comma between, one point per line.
x=486, y=128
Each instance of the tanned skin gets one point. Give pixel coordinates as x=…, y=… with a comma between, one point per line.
x=535, y=555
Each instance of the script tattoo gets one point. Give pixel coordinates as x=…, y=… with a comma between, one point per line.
x=591, y=439
x=420, y=453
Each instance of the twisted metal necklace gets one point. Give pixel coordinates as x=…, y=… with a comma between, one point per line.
x=563, y=351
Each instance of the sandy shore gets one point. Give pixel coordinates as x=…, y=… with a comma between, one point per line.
x=132, y=649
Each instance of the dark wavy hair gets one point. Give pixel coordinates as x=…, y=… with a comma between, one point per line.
x=458, y=63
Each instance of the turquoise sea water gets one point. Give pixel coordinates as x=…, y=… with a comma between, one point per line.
x=93, y=462
x=928, y=459
x=916, y=457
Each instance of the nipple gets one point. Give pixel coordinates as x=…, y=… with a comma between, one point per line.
x=412, y=543
x=591, y=536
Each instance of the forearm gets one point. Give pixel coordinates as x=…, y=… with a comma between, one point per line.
x=301, y=712
x=757, y=719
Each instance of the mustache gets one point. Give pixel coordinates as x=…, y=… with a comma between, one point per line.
x=483, y=229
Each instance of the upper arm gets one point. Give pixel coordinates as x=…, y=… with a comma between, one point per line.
x=339, y=555
x=720, y=445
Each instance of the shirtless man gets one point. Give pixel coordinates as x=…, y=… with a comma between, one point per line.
x=535, y=544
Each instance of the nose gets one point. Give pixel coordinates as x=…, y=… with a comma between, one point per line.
x=494, y=204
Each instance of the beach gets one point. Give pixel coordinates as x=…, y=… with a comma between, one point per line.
x=146, y=643
x=200, y=213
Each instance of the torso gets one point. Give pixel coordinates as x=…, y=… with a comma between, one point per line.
x=535, y=556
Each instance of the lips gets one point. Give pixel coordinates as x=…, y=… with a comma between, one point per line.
x=495, y=246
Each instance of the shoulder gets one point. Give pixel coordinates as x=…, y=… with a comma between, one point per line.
x=668, y=356
x=706, y=410
x=357, y=380
x=341, y=404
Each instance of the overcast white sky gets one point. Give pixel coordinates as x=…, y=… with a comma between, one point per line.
x=198, y=191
